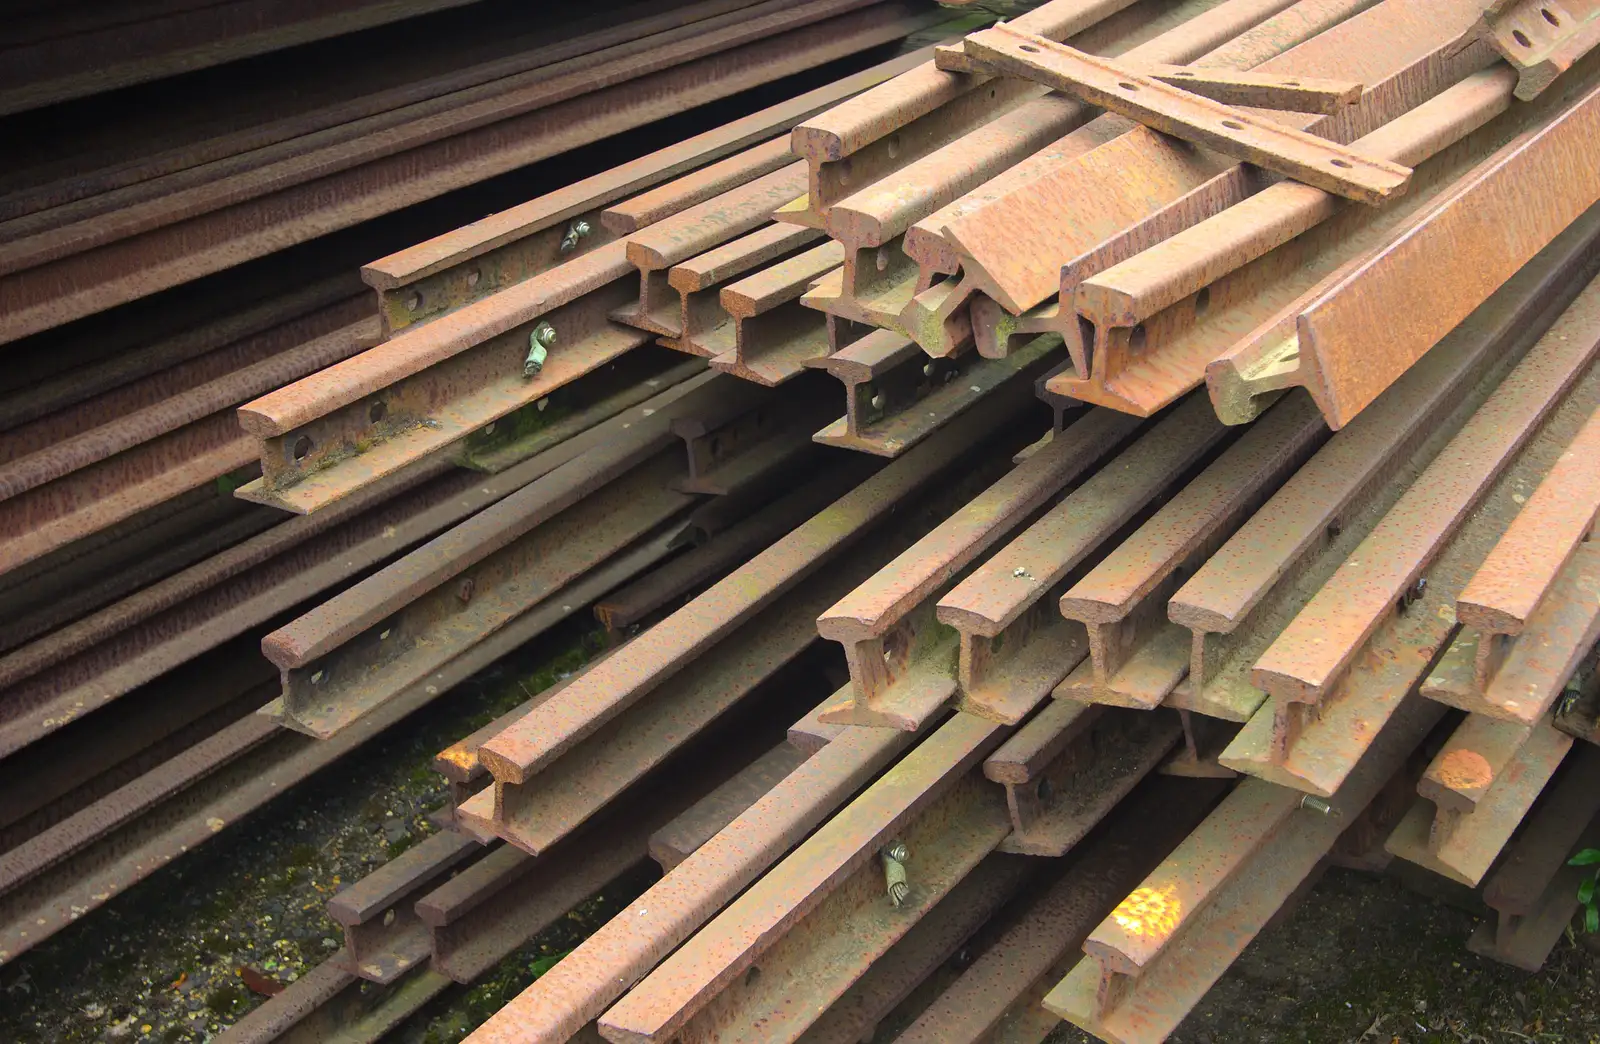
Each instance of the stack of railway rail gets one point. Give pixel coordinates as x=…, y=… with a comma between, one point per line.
x=1049, y=494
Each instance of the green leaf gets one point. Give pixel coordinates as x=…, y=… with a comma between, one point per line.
x=1586, y=892
x=1591, y=920
x=544, y=964
x=1587, y=857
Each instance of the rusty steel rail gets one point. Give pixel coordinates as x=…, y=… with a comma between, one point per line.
x=572, y=994
x=1137, y=656
x=1244, y=595
x=1015, y=647
x=48, y=64
x=95, y=854
x=770, y=337
x=879, y=280
x=1171, y=938
x=81, y=484
x=1533, y=893
x=418, y=931
x=394, y=628
x=699, y=282
x=756, y=595
x=378, y=174
x=461, y=266
x=1000, y=252
x=1000, y=992
x=821, y=916
x=918, y=112
x=1475, y=793
x=902, y=658
x=1438, y=532
x=1131, y=294
x=1317, y=342
x=1532, y=611
x=895, y=398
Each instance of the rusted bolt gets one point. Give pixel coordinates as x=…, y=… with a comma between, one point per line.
x=1414, y=592
x=895, y=855
x=539, y=342
x=576, y=232
x=1334, y=529
x=928, y=368
x=464, y=592
x=877, y=401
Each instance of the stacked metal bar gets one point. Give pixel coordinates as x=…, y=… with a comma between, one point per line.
x=137, y=589
x=1117, y=664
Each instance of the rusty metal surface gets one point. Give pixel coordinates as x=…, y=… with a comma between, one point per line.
x=1004, y=985
x=1244, y=595
x=1462, y=845
x=1015, y=646
x=1136, y=656
x=131, y=268
x=621, y=952
x=1190, y=116
x=682, y=837
x=46, y=66
x=81, y=484
x=1306, y=735
x=902, y=659
x=1171, y=938
x=1313, y=342
x=519, y=753
x=699, y=281
x=770, y=337
x=791, y=922
x=1539, y=42
x=441, y=270
x=1532, y=893
x=1259, y=90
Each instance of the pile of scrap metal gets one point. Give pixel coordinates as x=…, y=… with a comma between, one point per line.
x=1042, y=655
x=136, y=589
x=1120, y=701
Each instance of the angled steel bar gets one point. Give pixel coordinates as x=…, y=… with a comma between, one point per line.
x=1259, y=90
x=1438, y=532
x=1140, y=358
x=1014, y=644
x=1136, y=656
x=1245, y=594
x=902, y=659
x=878, y=280
x=890, y=126
x=1318, y=341
x=1013, y=236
